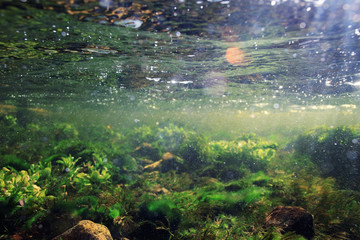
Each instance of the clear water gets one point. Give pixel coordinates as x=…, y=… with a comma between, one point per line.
x=274, y=68
x=287, y=61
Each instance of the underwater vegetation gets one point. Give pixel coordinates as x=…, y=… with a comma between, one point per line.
x=166, y=181
x=335, y=151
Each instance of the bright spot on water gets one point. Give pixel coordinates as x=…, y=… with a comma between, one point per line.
x=355, y=84
x=317, y=3
x=328, y=83
x=176, y=81
x=235, y=56
x=153, y=79
x=261, y=105
x=348, y=106
x=346, y=6
x=357, y=32
x=129, y=23
x=302, y=25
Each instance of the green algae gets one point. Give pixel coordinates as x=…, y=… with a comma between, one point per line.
x=182, y=202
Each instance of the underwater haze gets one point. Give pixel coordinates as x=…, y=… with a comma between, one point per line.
x=184, y=119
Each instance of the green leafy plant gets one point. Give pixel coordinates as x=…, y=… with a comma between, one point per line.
x=20, y=196
x=68, y=163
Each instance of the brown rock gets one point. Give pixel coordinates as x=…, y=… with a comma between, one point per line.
x=153, y=166
x=86, y=230
x=292, y=219
x=167, y=163
x=157, y=189
x=171, y=162
x=168, y=156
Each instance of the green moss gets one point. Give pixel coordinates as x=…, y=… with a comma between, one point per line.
x=335, y=151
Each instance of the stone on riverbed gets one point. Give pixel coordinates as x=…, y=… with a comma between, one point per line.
x=86, y=230
x=292, y=219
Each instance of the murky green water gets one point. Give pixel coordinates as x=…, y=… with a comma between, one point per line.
x=217, y=68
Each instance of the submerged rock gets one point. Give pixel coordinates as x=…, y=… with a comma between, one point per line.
x=167, y=163
x=171, y=162
x=153, y=166
x=86, y=230
x=292, y=219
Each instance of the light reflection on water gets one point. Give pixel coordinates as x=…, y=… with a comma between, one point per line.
x=280, y=67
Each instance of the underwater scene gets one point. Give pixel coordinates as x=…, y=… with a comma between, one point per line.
x=181, y=119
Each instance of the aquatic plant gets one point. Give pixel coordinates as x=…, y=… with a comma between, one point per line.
x=163, y=212
x=195, y=151
x=21, y=199
x=143, y=134
x=171, y=137
x=65, y=131
x=67, y=163
x=12, y=132
x=233, y=158
x=223, y=190
x=332, y=208
x=13, y=161
x=336, y=152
